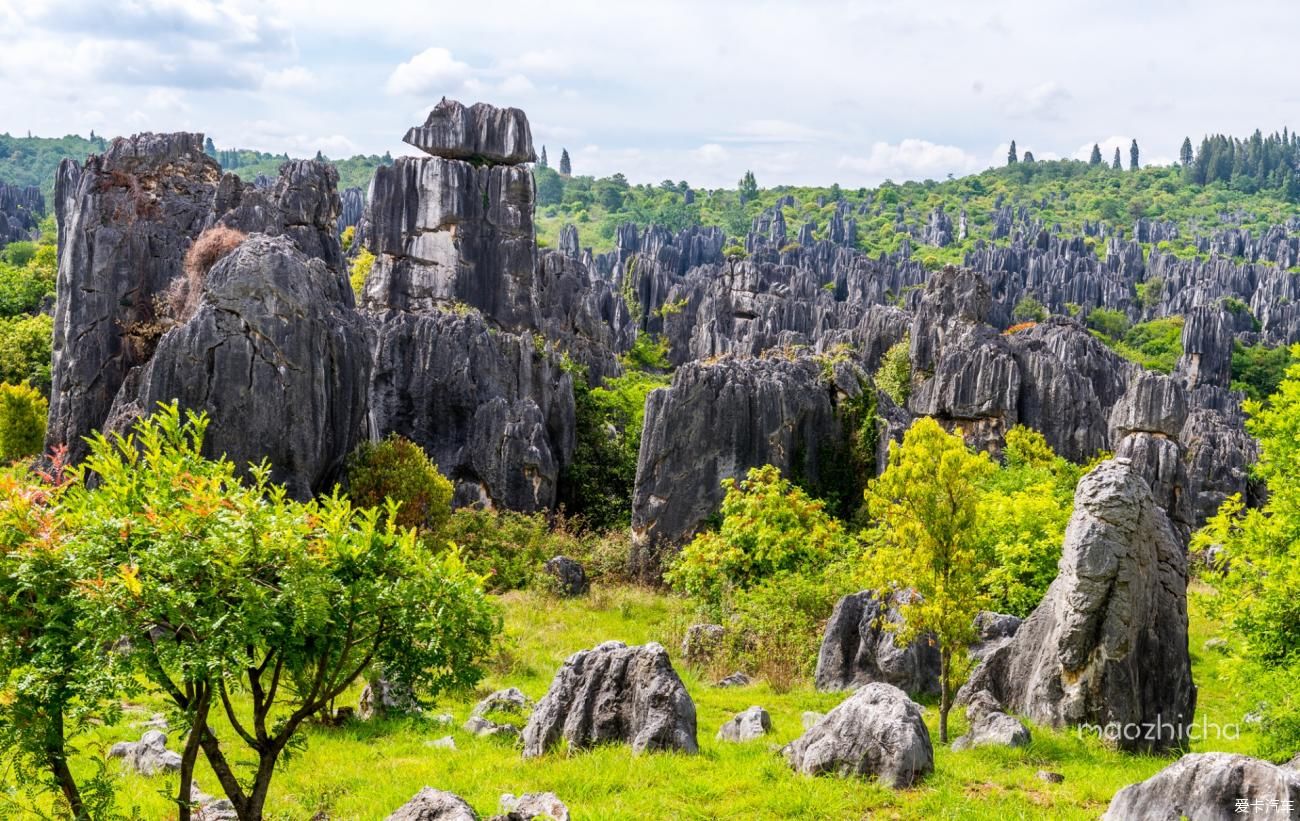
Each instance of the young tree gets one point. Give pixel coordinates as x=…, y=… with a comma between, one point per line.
x=1095, y=159
x=1012, y=159
x=1115, y=162
x=56, y=677
x=566, y=167
x=541, y=161
x=924, y=544
x=1133, y=156
x=225, y=585
x=747, y=188
x=1185, y=153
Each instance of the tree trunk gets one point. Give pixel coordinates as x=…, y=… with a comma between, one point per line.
x=198, y=727
x=261, y=787
x=221, y=767
x=56, y=756
x=945, y=694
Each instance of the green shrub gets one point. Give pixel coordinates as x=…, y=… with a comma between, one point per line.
x=649, y=352
x=776, y=625
x=361, y=265
x=397, y=469
x=22, y=287
x=1257, y=369
x=25, y=350
x=769, y=527
x=1149, y=293
x=22, y=421
x=1108, y=322
x=1029, y=309
x=506, y=547
x=1155, y=345
x=894, y=377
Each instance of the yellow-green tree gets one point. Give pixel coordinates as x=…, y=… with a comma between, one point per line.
x=924, y=541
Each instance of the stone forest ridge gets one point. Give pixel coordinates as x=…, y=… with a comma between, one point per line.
x=309, y=326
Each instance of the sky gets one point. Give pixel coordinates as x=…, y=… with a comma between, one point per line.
x=801, y=93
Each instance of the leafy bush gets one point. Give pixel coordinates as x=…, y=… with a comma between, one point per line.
x=776, y=625
x=25, y=350
x=769, y=527
x=1150, y=293
x=396, y=469
x=1155, y=345
x=649, y=352
x=1023, y=511
x=894, y=377
x=22, y=421
x=23, y=287
x=361, y=266
x=1029, y=309
x=505, y=547
x=1108, y=322
x=1257, y=369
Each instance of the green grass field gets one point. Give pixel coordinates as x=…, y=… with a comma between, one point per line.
x=366, y=770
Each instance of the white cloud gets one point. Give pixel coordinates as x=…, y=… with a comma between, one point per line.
x=772, y=131
x=1045, y=102
x=428, y=71
x=545, y=61
x=516, y=84
x=289, y=79
x=912, y=159
x=711, y=154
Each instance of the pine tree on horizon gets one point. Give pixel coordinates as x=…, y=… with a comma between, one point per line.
x=1115, y=163
x=1133, y=156
x=566, y=167
x=541, y=162
x=1185, y=153
x=1029, y=157
x=1095, y=159
x=1011, y=154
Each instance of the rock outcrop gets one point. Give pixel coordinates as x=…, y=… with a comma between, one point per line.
x=717, y=421
x=1107, y=647
x=544, y=806
x=568, y=575
x=990, y=727
x=277, y=358
x=857, y=649
x=21, y=211
x=1210, y=787
x=481, y=134
x=746, y=725
x=877, y=731
x=614, y=693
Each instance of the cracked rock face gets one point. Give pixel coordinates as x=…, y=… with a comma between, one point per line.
x=857, y=649
x=746, y=726
x=614, y=693
x=1208, y=786
x=877, y=731
x=275, y=355
x=1107, y=647
x=149, y=755
x=21, y=210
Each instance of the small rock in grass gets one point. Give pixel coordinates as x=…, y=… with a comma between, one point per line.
x=702, y=641
x=442, y=719
x=1217, y=644
x=810, y=719
x=149, y=755
x=434, y=805
x=736, y=679
x=532, y=805
x=1050, y=777
x=509, y=700
x=444, y=743
x=746, y=726
x=483, y=728
x=569, y=576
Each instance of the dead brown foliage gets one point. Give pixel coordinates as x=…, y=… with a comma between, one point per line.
x=182, y=296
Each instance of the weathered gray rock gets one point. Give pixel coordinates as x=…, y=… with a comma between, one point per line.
x=746, y=725
x=444, y=743
x=486, y=728
x=702, y=642
x=510, y=700
x=716, y=422
x=21, y=211
x=992, y=630
x=480, y=133
x=876, y=731
x=810, y=718
x=1208, y=787
x=434, y=805
x=493, y=411
x=1108, y=644
x=125, y=222
x=1153, y=403
x=275, y=356
x=989, y=726
x=530, y=805
x=858, y=649
x=211, y=808
x=570, y=578
x=381, y=697
x=149, y=755
x=614, y=693
x=737, y=679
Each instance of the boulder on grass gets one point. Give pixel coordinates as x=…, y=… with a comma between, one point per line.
x=876, y=731
x=569, y=575
x=149, y=755
x=746, y=726
x=531, y=805
x=382, y=697
x=857, y=649
x=614, y=693
x=990, y=727
x=434, y=805
x=701, y=642
x=1210, y=787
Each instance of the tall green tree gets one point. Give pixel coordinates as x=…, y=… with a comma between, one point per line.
x=1133, y=156
x=1095, y=159
x=566, y=166
x=747, y=188
x=541, y=161
x=1012, y=159
x=1185, y=153
x=924, y=545
x=1115, y=162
